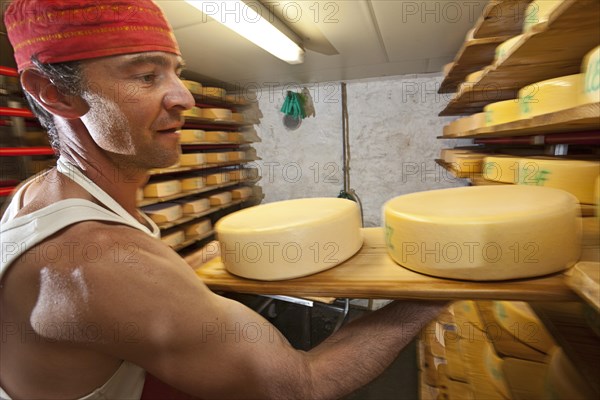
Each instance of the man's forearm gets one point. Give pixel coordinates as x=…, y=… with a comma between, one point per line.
x=364, y=348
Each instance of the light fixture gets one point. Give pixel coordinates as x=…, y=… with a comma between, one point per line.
x=256, y=23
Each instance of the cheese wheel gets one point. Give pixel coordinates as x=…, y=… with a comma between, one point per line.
x=241, y=193
x=235, y=137
x=217, y=179
x=238, y=117
x=504, y=49
x=484, y=232
x=162, y=189
x=289, y=239
x=198, y=228
x=503, y=169
x=192, y=136
x=465, y=125
x=216, y=158
x=215, y=136
x=194, y=206
x=216, y=113
x=163, y=212
x=456, y=127
x=502, y=112
x=454, y=357
x=236, y=155
x=466, y=164
x=238, y=175
x=192, y=86
x=213, y=92
x=192, y=159
x=220, y=199
x=174, y=239
x=550, y=96
x=194, y=112
x=193, y=183
x=574, y=176
x=467, y=318
x=538, y=12
x=590, y=92
x=519, y=319
x=493, y=368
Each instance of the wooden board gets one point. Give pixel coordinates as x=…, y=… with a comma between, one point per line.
x=585, y=281
x=576, y=119
x=501, y=18
x=552, y=49
x=371, y=273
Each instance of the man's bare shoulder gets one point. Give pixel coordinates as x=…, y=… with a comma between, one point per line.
x=101, y=274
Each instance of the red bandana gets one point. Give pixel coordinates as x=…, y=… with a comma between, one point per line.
x=69, y=30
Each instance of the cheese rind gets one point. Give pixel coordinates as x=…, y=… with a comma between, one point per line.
x=590, y=91
x=163, y=212
x=502, y=112
x=192, y=135
x=484, y=233
x=520, y=320
x=550, y=96
x=574, y=176
x=241, y=193
x=162, y=189
x=503, y=169
x=289, y=239
x=213, y=92
x=220, y=199
x=193, y=183
x=174, y=239
x=216, y=113
x=198, y=228
x=217, y=179
x=194, y=206
x=192, y=159
x=192, y=86
x=215, y=158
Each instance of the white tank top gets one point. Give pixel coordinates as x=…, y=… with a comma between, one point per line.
x=18, y=235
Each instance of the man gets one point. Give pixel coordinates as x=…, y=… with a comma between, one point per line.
x=91, y=300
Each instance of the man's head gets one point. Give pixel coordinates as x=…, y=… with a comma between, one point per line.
x=54, y=41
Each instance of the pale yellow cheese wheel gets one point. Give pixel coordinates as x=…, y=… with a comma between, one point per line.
x=574, y=176
x=242, y=193
x=163, y=212
x=192, y=135
x=162, y=189
x=289, y=239
x=502, y=112
x=197, y=228
x=192, y=159
x=213, y=92
x=192, y=183
x=215, y=136
x=215, y=158
x=519, y=319
x=217, y=179
x=484, y=232
x=217, y=113
x=506, y=48
x=220, y=199
x=192, y=86
x=500, y=168
x=173, y=239
x=538, y=12
x=466, y=163
x=550, y=96
x=194, y=112
x=590, y=91
x=194, y=206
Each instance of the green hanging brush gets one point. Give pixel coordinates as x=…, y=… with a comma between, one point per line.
x=294, y=105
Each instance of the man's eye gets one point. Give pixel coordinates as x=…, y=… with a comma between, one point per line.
x=149, y=78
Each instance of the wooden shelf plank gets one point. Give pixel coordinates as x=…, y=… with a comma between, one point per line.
x=150, y=201
x=371, y=273
x=585, y=281
x=551, y=49
x=576, y=119
x=178, y=170
x=501, y=20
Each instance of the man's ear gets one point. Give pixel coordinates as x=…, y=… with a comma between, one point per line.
x=50, y=97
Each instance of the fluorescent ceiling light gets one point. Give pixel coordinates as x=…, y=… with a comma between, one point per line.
x=254, y=22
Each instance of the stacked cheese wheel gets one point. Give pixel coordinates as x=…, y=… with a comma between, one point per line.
x=484, y=232
x=289, y=239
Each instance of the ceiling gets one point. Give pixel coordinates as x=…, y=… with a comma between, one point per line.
x=344, y=39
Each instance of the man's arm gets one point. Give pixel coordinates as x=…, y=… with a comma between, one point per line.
x=153, y=310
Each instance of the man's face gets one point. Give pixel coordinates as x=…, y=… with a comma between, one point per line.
x=136, y=101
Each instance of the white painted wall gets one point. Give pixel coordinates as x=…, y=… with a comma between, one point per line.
x=393, y=125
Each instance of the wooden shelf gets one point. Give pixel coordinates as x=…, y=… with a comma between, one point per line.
x=178, y=170
x=501, y=20
x=215, y=122
x=150, y=201
x=585, y=281
x=371, y=273
x=551, y=49
x=577, y=119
